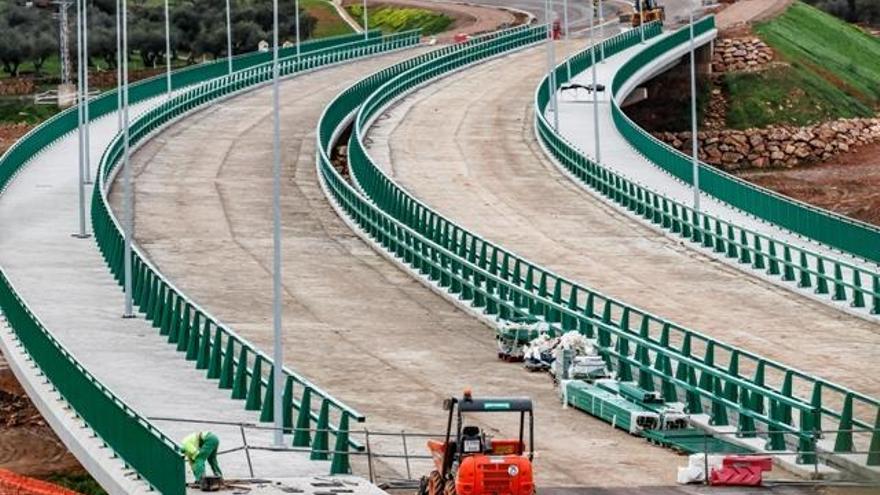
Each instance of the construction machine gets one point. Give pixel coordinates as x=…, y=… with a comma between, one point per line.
x=470, y=462
x=646, y=11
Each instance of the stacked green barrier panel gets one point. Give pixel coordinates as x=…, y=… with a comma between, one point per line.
x=761, y=252
x=837, y=231
x=135, y=440
x=503, y=285
x=226, y=357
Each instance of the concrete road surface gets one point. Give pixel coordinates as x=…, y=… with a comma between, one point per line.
x=353, y=322
x=466, y=146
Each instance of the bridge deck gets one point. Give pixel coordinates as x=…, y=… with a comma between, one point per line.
x=466, y=146
x=576, y=123
x=67, y=284
x=353, y=322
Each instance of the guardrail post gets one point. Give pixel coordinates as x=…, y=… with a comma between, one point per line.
x=227, y=369
x=821, y=280
x=839, y=291
x=182, y=335
x=731, y=391
x=858, y=297
x=759, y=255
x=745, y=422
x=874, y=446
x=254, y=399
x=174, y=324
x=302, y=437
x=239, y=382
x=340, y=463
x=875, y=305
x=692, y=398
x=192, y=344
x=156, y=313
x=709, y=360
x=804, y=271
x=267, y=411
x=321, y=443
x=844, y=440
x=624, y=371
x=787, y=269
x=775, y=438
x=214, y=361
x=808, y=438
x=719, y=411
x=772, y=260
x=203, y=355
x=287, y=405
x=167, y=313
x=785, y=409
x=745, y=255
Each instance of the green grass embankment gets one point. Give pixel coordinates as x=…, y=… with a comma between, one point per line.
x=830, y=70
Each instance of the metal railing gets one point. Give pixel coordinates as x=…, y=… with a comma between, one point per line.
x=138, y=443
x=831, y=277
x=834, y=230
x=155, y=457
x=225, y=356
x=500, y=284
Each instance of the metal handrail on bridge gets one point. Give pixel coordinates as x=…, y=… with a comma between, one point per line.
x=663, y=211
x=216, y=348
x=479, y=273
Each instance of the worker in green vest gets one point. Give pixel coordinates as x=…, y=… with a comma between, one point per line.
x=199, y=447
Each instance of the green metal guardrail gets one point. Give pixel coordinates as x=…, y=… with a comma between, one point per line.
x=224, y=355
x=682, y=220
x=107, y=417
x=501, y=284
x=57, y=126
x=846, y=234
x=831, y=277
x=135, y=440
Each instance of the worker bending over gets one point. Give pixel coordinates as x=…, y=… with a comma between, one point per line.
x=199, y=447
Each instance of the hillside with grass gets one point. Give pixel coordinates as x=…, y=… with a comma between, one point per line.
x=392, y=18
x=825, y=69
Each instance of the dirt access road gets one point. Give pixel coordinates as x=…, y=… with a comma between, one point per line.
x=353, y=322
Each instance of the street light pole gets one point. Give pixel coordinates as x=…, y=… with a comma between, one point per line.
x=278, y=354
x=118, y=65
x=366, y=27
x=87, y=162
x=296, y=7
x=641, y=20
x=551, y=61
x=228, y=37
x=565, y=21
x=167, y=49
x=694, y=137
x=595, y=92
x=81, y=231
x=602, y=30
x=126, y=190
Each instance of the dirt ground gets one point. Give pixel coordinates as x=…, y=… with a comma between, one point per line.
x=848, y=184
x=9, y=133
x=27, y=445
x=746, y=11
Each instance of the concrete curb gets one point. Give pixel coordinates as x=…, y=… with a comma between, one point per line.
x=108, y=470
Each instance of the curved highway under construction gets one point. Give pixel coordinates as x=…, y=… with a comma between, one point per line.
x=448, y=239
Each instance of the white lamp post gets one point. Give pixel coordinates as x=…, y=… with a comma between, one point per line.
x=228, y=37
x=126, y=190
x=167, y=49
x=595, y=92
x=278, y=354
x=694, y=143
